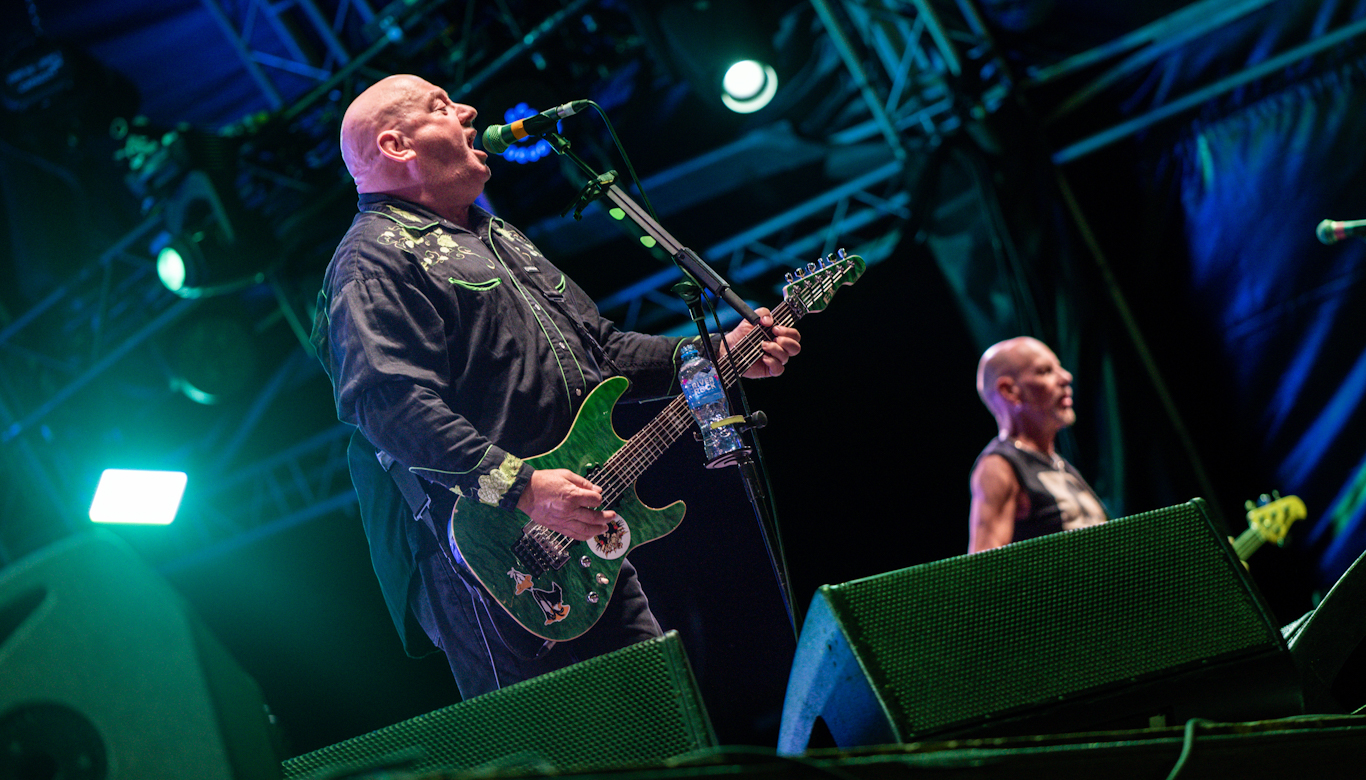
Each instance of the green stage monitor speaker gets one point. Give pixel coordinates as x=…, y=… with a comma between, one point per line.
x=637, y=705
x=105, y=675
x=1112, y=626
x=1329, y=645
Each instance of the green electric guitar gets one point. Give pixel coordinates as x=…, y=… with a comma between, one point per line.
x=556, y=587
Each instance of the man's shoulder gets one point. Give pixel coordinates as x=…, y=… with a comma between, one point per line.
x=386, y=236
x=994, y=475
x=364, y=248
x=998, y=457
x=997, y=446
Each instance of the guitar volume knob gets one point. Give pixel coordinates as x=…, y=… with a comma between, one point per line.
x=585, y=562
x=592, y=597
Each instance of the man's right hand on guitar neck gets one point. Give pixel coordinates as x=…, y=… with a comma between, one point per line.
x=565, y=502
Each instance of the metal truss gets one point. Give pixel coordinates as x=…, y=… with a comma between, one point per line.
x=908, y=63
x=260, y=23
x=1141, y=48
x=847, y=210
x=919, y=65
x=304, y=482
x=61, y=345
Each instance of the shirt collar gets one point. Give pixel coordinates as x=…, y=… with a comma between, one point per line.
x=414, y=216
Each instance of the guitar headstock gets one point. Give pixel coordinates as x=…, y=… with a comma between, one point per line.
x=811, y=288
x=1273, y=515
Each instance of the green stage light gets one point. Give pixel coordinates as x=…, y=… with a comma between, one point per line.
x=138, y=497
x=200, y=254
x=171, y=268
x=748, y=86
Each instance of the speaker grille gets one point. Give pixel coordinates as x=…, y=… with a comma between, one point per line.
x=1050, y=618
x=636, y=705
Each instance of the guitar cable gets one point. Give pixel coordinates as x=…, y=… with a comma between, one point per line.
x=477, y=600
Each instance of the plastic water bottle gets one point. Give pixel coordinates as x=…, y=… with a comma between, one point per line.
x=707, y=399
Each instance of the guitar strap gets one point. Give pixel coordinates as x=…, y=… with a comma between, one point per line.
x=421, y=504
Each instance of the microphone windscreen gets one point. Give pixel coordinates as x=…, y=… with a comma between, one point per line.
x=1327, y=232
x=495, y=141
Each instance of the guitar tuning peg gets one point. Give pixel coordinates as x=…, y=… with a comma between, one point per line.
x=811, y=268
x=841, y=254
x=788, y=277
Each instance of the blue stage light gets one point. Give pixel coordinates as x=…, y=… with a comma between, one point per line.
x=527, y=150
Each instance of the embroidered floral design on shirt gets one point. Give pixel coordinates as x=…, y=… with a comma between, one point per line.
x=520, y=244
x=494, y=485
x=401, y=214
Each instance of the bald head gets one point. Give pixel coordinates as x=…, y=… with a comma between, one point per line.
x=383, y=106
x=1009, y=359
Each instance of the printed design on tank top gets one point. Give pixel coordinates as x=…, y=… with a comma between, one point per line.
x=1076, y=506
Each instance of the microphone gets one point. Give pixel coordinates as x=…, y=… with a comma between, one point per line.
x=497, y=138
x=1330, y=232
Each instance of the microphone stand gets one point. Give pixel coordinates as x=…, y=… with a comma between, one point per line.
x=604, y=185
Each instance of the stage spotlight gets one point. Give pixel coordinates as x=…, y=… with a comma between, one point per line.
x=725, y=51
x=137, y=497
x=748, y=86
x=171, y=265
x=200, y=254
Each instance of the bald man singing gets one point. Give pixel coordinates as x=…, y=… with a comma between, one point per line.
x=457, y=350
x=1021, y=486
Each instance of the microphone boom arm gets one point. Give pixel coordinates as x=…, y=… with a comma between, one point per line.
x=605, y=186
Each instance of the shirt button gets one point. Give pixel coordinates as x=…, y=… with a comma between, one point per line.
x=578, y=391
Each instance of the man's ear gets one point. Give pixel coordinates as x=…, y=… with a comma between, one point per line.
x=394, y=145
x=1007, y=389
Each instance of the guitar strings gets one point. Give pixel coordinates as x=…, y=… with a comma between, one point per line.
x=641, y=450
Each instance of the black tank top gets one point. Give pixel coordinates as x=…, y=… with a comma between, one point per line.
x=1059, y=499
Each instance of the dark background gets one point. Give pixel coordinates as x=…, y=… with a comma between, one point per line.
x=1178, y=260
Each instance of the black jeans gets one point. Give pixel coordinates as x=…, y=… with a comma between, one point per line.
x=488, y=650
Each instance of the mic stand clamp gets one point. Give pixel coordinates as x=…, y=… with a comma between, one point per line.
x=590, y=192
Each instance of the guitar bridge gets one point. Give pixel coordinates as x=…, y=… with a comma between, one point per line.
x=540, y=550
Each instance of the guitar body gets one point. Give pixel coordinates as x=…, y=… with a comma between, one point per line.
x=556, y=587
x=561, y=603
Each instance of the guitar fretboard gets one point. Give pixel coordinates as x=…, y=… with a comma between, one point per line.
x=640, y=451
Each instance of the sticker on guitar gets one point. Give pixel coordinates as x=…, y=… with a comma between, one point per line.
x=614, y=543
x=550, y=601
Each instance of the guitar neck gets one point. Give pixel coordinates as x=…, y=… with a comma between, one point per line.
x=629, y=462
x=1247, y=543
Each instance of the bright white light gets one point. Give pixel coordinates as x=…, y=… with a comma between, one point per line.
x=141, y=497
x=171, y=268
x=749, y=86
x=744, y=79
